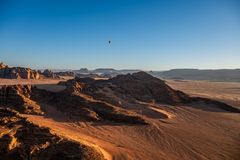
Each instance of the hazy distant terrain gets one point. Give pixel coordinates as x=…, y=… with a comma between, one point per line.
x=218, y=75
x=221, y=75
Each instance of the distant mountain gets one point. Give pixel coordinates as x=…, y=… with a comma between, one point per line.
x=82, y=71
x=220, y=75
x=229, y=75
x=105, y=72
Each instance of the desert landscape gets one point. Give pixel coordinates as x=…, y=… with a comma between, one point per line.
x=131, y=116
x=119, y=80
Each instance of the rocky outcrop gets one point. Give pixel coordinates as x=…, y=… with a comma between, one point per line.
x=218, y=104
x=137, y=87
x=144, y=87
x=27, y=99
x=101, y=100
x=76, y=104
x=20, y=139
x=18, y=98
x=2, y=66
x=66, y=73
x=17, y=72
x=90, y=75
x=49, y=74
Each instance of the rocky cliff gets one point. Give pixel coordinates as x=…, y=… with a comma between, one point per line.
x=17, y=72
x=17, y=97
x=49, y=74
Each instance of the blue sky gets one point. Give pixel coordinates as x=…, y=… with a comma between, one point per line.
x=145, y=34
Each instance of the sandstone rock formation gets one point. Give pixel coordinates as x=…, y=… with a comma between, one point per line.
x=49, y=74
x=27, y=99
x=90, y=75
x=17, y=72
x=136, y=87
x=77, y=104
x=18, y=98
x=145, y=87
x=2, y=65
x=101, y=100
x=21, y=140
x=66, y=73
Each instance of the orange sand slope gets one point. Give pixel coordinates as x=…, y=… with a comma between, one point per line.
x=191, y=134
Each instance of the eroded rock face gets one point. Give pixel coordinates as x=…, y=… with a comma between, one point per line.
x=21, y=140
x=27, y=99
x=90, y=75
x=67, y=73
x=145, y=87
x=18, y=98
x=49, y=74
x=18, y=72
x=136, y=87
x=76, y=104
x=2, y=66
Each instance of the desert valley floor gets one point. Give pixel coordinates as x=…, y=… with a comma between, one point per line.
x=188, y=131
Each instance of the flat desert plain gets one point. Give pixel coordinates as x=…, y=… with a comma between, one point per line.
x=228, y=92
x=4, y=81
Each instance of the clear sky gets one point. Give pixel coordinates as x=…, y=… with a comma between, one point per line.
x=145, y=34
